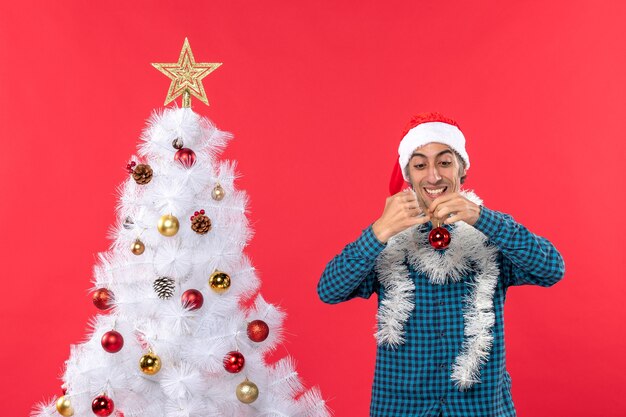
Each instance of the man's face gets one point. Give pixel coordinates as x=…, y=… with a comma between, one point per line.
x=434, y=170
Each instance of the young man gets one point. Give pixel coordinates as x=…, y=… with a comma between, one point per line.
x=440, y=311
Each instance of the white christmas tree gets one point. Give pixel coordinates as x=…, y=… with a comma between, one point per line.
x=175, y=340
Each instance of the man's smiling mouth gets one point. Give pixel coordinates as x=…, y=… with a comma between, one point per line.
x=435, y=192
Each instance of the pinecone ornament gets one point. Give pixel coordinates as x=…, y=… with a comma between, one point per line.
x=200, y=223
x=164, y=287
x=142, y=174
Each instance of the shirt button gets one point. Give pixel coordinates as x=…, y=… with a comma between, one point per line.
x=442, y=366
x=442, y=400
x=441, y=302
x=442, y=334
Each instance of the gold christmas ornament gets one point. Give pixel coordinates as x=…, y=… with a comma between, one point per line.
x=168, y=225
x=186, y=76
x=247, y=392
x=138, y=247
x=219, y=281
x=218, y=193
x=64, y=407
x=150, y=363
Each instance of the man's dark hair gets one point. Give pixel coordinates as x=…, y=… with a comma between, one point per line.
x=462, y=163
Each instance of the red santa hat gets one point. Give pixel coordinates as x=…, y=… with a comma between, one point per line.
x=425, y=128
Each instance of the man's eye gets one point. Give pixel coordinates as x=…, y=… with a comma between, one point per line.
x=419, y=166
x=446, y=163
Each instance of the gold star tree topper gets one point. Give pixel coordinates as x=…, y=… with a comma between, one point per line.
x=186, y=76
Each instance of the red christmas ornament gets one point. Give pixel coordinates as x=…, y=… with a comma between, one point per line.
x=186, y=157
x=439, y=238
x=102, y=406
x=192, y=299
x=258, y=330
x=112, y=341
x=233, y=362
x=102, y=298
x=130, y=166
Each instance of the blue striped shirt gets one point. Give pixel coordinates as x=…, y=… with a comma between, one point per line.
x=414, y=379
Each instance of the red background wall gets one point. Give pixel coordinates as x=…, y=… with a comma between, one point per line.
x=316, y=94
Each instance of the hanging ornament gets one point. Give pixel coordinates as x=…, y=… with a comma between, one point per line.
x=200, y=223
x=64, y=407
x=233, y=362
x=177, y=143
x=138, y=247
x=150, y=363
x=218, y=193
x=219, y=281
x=192, y=299
x=186, y=157
x=247, y=392
x=142, y=174
x=168, y=225
x=112, y=341
x=102, y=406
x=258, y=330
x=164, y=287
x=102, y=299
x=128, y=223
x=130, y=166
x=439, y=238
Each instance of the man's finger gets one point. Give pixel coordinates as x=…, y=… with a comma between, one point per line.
x=422, y=205
x=410, y=196
x=411, y=205
x=448, y=207
x=413, y=211
x=439, y=200
x=404, y=195
x=453, y=219
x=420, y=220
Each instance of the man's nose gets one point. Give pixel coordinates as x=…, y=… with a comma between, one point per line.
x=433, y=176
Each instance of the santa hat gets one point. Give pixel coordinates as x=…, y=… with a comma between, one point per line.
x=422, y=129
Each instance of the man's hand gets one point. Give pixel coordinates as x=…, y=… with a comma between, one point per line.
x=452, y=208
x=401, y=211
